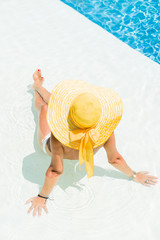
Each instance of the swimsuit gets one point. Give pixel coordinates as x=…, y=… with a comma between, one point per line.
x=44, y=142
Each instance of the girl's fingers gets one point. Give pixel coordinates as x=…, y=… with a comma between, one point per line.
x=30, y=209
x=145, y=172
x=35, y=210
x=153, y=181
x=45, y=209
x=29, y=200
x=39, y=211
x=153, y=177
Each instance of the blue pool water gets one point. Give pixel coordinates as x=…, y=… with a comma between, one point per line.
x=135, y=22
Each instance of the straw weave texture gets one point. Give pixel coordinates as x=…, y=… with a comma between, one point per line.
x=58, y=115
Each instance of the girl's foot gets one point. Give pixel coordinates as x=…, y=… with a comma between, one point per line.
x=37, y=86
x=38, y=80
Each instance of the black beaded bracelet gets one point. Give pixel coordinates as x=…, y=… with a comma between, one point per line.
x=42, y=196
x=134, y=175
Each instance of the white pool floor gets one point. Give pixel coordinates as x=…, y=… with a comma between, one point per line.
x=65, y=45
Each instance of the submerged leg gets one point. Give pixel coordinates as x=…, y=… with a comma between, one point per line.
x=43, y=128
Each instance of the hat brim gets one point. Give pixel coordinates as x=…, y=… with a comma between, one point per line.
x=58, y=116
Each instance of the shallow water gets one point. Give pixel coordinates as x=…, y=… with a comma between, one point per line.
x=108, y=206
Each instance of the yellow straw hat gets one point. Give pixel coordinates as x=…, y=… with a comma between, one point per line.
x=83, y=116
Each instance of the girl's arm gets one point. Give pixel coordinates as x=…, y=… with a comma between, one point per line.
x=53, y=173
x=115, y=158
x=118, y=162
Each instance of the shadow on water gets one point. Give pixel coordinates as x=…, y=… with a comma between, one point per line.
x=36, y=164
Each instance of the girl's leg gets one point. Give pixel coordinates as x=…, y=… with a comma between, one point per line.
x=43, y=128
x=41, y=103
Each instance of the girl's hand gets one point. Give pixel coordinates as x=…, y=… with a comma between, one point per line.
x=142, y=176
x=37, y=204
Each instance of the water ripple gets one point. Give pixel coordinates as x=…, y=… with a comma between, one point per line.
x=20, y=113
x=70, y=196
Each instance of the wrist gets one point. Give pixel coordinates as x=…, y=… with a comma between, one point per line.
x=133, y=176
x=44, y=195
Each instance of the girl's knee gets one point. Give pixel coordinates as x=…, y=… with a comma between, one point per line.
x=44, y=107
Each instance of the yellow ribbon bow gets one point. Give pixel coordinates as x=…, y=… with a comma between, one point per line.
x=85, y=149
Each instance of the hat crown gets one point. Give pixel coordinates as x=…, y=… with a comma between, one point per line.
x=85, y=110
